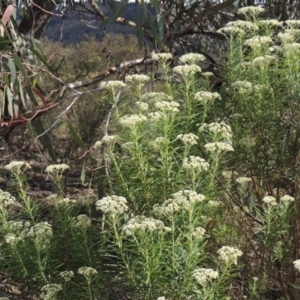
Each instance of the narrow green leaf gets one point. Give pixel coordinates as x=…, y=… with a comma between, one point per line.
x=139, y=28
x=75, y=136
x=19, y=64
x=30, y=129
x=40, y=57
x=112, y=4
x=155, y=34
x=119, y=12
x=82, y=175
x=31, y=96
x=44, y=139
x=9, y=98
x=21, y=93
x=16, y=85
x=12, y=69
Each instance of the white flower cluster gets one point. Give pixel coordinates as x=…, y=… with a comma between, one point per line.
x=132, y=120
x=137, y=78
x=40, y=231
x=59, y=200
x=12, y=238
x=198, y=233
x=17, y=166
x=243, y=180
x=218, y=147
x=156, y=96
x=142, y=106
x=166, y=106
x=292, y=48
x=257, y=41
x=244, y=25
x=221, y=129
x=54, y=169
x=128, y=146
x=188, y=139
x=214, y=203
x=229, y=174
x=231, y=30
x=270, y=200
x=192, y=58
x=195, y=163
x=181, y=200
x=6, y=199
x=203, y=275
x=161, y=298
x=158, y=143
x=162, y=57
x=155, y=116
x=263, y=61
x=187, y=70
x=112, y=204
x=269, y=23
x=293, y=23
x=87, y=271
x=229, y=255
x=112, y=84
x=141, y=224
x=204, y=96
x=82, y=221
x=66, y=275
x=66, y=201
x=242, y=87
x=106, y=140
x=250, y=10
x=287, y=200
x=297, y=264
x=50, y=291
x=207, y=74
x=285, y=37
x=20, y=231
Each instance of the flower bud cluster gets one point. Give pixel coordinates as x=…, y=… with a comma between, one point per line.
x=87, y=271
x=82, y=221
x=17, y=167
x=188, y=139
x=132, y=120
x=6, y=199
x=166, y=106
x=195, y=163
x=221, y=129
x=229, y=255
x=270, y=200
x=141, y=224
x=287, y=200
x=203, y=275
x=112, y=84
x=187, y=70
x=242, y=87
x=66, y=275
x=205, y=97
x=137, y=78
x=50, y=291
x=192, y=58
x=116, y=205
x=218, y=146
x=181, y=200
x=54, y=169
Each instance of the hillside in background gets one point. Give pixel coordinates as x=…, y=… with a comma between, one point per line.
x=75, y=26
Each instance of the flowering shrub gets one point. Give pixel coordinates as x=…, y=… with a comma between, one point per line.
x=199, y=202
